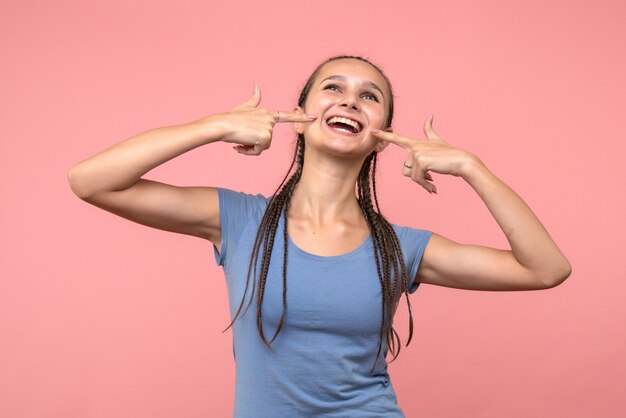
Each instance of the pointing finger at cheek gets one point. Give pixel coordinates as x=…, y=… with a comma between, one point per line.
x=285, y=117
x=393, y=138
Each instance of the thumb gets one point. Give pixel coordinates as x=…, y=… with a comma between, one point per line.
x=430, y=132
x=253, y=101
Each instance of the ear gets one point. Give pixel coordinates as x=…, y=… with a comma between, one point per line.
x=299, y=127
x=382, y=144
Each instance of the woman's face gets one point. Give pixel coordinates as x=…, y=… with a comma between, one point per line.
x=349, y=97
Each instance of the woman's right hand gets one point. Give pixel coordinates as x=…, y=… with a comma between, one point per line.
x=251, y=127
x=112, y=179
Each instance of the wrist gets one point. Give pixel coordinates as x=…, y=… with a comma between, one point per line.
x=211, y=128
x=472, y=168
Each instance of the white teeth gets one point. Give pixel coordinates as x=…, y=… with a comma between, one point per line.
x=336, y=119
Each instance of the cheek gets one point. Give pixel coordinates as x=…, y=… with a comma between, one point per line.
x=377, y=118
x=318, y=103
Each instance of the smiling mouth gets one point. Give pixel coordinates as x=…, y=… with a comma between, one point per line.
x=344, y=125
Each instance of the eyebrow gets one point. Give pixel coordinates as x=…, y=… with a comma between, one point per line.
x=366, y=83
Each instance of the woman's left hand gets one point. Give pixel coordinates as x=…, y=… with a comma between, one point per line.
x=534, y=260
x=434, y=155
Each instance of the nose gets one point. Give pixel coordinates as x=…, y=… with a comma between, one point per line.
x=349, y=102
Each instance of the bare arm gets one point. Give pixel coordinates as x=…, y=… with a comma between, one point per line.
x=111, y=179
x=534, y=260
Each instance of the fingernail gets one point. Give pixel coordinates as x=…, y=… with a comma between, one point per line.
x=256, y=88
x=311, y=116
x=257, y=142
x=375, y=130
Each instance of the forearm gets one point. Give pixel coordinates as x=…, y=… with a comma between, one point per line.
x=122, y=164
x=530, y=242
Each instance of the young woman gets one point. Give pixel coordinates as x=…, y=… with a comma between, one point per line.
x=323, y=326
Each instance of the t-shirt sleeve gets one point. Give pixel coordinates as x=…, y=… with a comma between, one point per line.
x=413, y=242
x=236, y=210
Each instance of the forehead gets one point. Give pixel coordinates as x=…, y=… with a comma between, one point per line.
x=353, y=70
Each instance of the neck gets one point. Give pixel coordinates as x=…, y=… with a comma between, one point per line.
x=326, y=191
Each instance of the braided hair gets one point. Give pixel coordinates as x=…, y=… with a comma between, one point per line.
x=388, y=256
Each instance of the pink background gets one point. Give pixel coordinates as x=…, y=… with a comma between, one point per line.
x=100, y=317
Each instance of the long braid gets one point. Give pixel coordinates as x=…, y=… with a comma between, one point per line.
x=267, y=229
x=386, y=243
x=363, y=191
x=289, y=188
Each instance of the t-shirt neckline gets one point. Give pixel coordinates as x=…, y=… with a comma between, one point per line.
x=329, y=257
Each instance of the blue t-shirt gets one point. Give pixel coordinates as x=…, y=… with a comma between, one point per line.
x=320, y=363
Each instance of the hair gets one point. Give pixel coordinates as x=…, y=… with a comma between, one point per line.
x=388, y=255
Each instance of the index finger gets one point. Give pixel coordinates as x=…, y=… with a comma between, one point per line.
x=399, y=140
x=288, y=117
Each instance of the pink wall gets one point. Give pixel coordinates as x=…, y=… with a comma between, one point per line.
x=100, y=317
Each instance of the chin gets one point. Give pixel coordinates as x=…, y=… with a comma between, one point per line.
x=338, y=147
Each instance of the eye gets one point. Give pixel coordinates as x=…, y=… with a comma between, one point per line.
x=332, y=87
x=370, y=96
